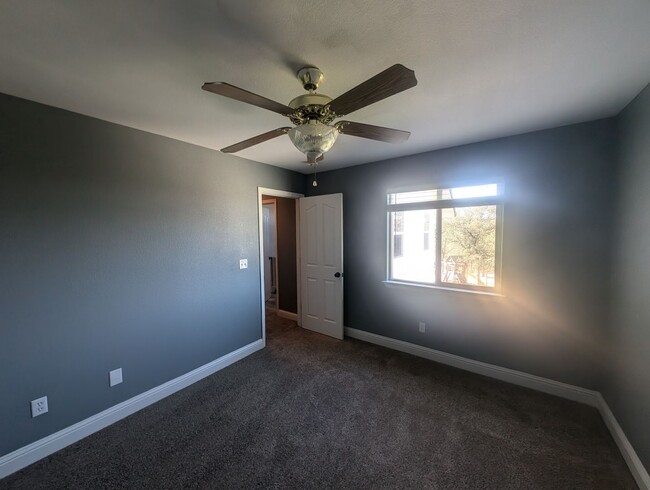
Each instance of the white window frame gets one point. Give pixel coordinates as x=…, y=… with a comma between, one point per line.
x=439, y=205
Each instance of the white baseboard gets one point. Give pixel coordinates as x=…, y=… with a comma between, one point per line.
x=288, y=315
x=31, y=453
x=563, y=390
x=629, y=454
x=519, y=378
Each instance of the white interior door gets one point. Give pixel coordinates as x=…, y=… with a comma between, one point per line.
x=321, y=264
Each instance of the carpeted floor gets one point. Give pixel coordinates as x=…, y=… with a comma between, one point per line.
x=314, y=412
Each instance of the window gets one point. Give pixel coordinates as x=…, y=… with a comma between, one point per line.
x=427, y=232
x=447, y=237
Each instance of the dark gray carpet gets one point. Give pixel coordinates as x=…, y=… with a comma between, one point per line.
x=313, y=412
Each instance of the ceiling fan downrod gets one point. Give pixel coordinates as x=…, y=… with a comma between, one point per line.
x=311, y=77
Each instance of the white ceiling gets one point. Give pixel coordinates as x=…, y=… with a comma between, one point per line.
x=486, y=68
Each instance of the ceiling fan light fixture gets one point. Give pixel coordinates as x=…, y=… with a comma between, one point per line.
x=312, y=156
x=313, y=114
x=313, y=137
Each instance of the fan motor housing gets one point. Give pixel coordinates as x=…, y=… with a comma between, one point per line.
x=306, y=100
x=311, y=106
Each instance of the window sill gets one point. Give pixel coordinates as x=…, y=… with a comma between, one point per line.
x=400, y=284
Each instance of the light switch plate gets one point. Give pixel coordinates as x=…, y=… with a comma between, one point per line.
x=115, y=377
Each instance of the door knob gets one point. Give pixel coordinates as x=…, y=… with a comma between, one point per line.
x=338, y=274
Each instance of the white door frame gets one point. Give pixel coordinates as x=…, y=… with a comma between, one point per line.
x=260, y=219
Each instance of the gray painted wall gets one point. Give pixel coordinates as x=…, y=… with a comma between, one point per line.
x=557, y=245
x=628, y=388
x=118, y=248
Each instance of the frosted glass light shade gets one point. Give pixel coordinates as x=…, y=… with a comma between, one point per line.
x=313, y=137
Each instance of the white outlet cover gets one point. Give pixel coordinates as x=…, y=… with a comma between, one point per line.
x=115, y=377
x=423, y=327
x=243, y=263
x=39, y=406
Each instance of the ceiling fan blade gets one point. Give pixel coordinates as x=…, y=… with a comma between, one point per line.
x=369, y=131
x=389, y=82
x=227, y=90
x=260, y=138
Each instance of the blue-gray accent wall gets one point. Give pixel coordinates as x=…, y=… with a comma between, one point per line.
x=628, y=387
x=118, y=248
x=557, y=247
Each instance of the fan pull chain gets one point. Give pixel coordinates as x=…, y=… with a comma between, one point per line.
x=315, y=183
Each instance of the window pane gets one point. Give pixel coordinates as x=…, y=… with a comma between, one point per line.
x=487, y=190
x=397, y=226
x=398, y=222
x=427, y=228
x=398, y=251
x=469, y=245
x=416, y=259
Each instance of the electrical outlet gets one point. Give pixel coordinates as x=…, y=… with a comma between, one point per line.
x=39, y=406
x=115, y=377
x=243, y=263
x=422, y=327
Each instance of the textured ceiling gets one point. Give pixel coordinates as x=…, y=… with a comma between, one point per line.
x=485, y=68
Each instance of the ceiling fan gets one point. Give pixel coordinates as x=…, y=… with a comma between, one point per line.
x=313, y=114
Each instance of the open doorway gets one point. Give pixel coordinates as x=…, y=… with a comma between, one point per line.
x=270, y=248
x=279, y=254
